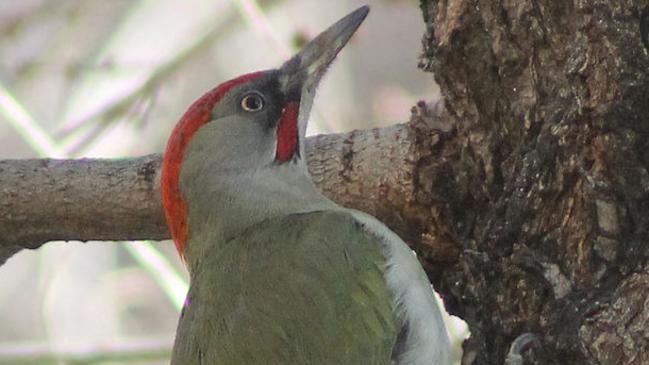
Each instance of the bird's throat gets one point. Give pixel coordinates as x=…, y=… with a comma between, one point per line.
x=287, y=133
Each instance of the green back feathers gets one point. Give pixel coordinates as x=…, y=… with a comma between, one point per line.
x=302, y=289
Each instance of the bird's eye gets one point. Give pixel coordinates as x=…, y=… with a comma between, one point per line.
x=252, y=102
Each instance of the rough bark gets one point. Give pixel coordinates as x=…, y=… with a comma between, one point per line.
x=544, y=187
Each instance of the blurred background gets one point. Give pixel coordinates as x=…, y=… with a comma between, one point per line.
x=98, y=78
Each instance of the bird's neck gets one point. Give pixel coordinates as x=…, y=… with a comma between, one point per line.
x=233, y=202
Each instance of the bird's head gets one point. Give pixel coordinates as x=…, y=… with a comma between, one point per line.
x=255, y=121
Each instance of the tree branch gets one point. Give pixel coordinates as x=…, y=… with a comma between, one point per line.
x=118, y=199
x=86, y=199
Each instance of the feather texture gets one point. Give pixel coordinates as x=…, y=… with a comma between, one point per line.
x=300, y=289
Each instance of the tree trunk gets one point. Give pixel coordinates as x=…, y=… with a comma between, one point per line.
x=543, y=187
x=526, y=193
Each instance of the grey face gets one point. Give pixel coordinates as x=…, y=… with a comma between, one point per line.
x=242, y=132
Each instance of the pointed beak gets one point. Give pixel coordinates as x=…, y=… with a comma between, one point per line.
x=300, y=75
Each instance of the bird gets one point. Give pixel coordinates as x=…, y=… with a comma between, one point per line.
x=280, y=274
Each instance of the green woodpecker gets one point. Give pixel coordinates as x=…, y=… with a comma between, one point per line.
x=279, y=273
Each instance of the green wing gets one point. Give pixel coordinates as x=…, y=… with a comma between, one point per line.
x=303, y=289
